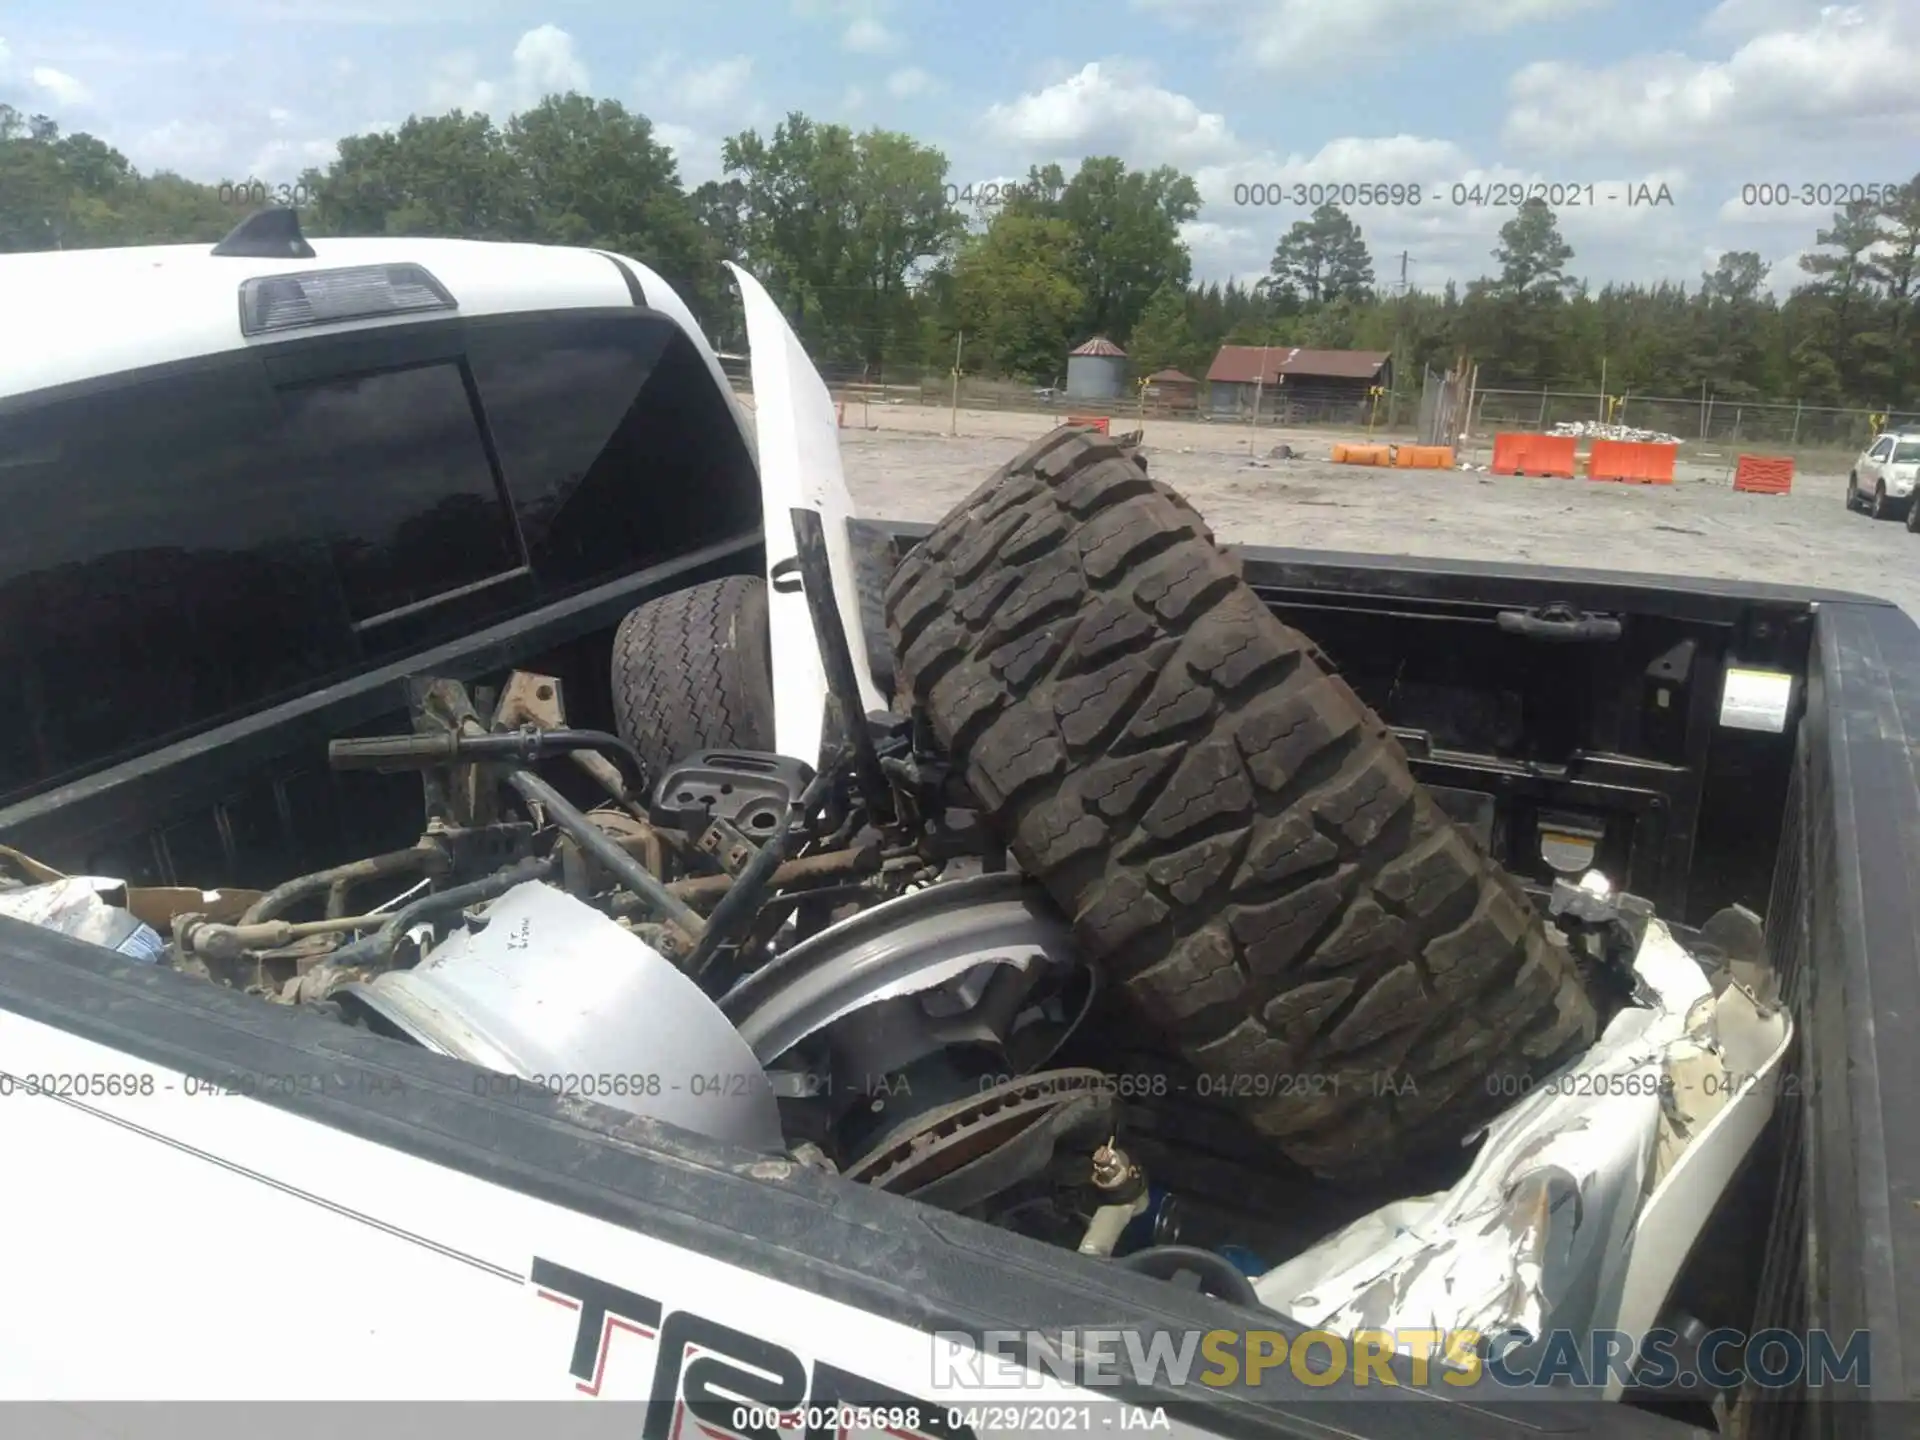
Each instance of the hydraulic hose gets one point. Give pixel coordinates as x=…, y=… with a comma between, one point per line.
x=378, y=948
x=525, y=746
x=427, y=859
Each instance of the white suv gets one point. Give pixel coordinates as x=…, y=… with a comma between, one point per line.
x=1884, y=475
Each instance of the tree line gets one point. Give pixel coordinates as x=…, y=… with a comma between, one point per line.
x=885, y=268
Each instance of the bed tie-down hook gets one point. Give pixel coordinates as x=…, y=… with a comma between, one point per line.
x=1561, y=623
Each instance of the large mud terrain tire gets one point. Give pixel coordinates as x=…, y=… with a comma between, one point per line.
x=1238, y=839
x=693, y=671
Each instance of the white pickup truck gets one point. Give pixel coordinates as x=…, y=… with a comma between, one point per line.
x=795, y=988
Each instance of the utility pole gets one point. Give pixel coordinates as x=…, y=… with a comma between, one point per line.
x=1259, y=388
x=1399, y=343
x=953, y=418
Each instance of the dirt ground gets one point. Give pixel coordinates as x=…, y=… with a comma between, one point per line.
x=902, y=464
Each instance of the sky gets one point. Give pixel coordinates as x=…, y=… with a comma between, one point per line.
x=1731, y=107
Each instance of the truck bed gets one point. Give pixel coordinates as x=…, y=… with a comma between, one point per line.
x=1536, y=744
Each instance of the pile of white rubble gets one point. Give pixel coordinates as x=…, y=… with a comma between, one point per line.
x=1596, y=430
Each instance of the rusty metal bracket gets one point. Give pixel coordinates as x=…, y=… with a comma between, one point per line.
x=728, y=845
x=537, y=702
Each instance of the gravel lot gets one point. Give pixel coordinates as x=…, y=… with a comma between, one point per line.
x=901, y=464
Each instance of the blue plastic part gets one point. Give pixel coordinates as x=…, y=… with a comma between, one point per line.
x=1243, y=1260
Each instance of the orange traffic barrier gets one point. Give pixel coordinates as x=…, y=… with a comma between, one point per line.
x=1631, y=462
x=1090, y=422
x=1533, y=455
x=1424, y=457
x=1764, y=474
x=1363, y=454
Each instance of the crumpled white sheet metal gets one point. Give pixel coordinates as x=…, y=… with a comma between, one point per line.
x=1586, y=1196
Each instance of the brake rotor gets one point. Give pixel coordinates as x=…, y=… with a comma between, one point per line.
x=909, y=946
x=1028, y=1115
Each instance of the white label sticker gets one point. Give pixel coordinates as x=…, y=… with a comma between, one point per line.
x=1756, y=700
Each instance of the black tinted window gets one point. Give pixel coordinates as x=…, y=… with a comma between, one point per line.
x=156, y=570
x=616, y=441
x=399, y=480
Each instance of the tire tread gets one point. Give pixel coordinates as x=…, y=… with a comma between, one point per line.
x=1236, y=837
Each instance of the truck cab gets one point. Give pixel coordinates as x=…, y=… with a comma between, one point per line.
x=242, y=475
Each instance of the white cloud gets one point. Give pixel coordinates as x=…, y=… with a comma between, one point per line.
x=1237, y=239
x=1735, y=19
x=455, y=83
x=359, y=13
x=1250, y=196
x=704, y=87
x=696, y=153
x=1304, y=36
x=674, y=136
x=867, y=36
x=285, y=160
x=1224, y=252
x=1253, y=197
x=1110, y=107
x=232, y=150
x=196, y=148
x=903, y=84
x=692, y=105
x=1786, y=273
x=64, y=89
x=1454, y=225
x=545, y=63
x=854, y=99
x=1841, y=73
x=862, y=29
x=1348, y=161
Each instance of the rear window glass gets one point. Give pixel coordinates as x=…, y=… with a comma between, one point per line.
x=618, y=444
x=412, y=507
x=1907, y=452
x=156, y=571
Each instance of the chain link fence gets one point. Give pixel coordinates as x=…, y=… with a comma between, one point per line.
x=1297, y=409
x=1773, y=424
x=1707, y=418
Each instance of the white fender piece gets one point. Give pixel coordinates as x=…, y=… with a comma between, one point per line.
x=1726, y=1084
x=1580, y=1209
x=799, y=443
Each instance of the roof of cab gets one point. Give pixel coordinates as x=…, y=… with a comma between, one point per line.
x=76, y=314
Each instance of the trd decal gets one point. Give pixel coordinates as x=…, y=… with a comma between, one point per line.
x=603, y=1309
x=720, y=1378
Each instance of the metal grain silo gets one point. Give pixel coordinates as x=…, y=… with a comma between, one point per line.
x=1097, y=371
